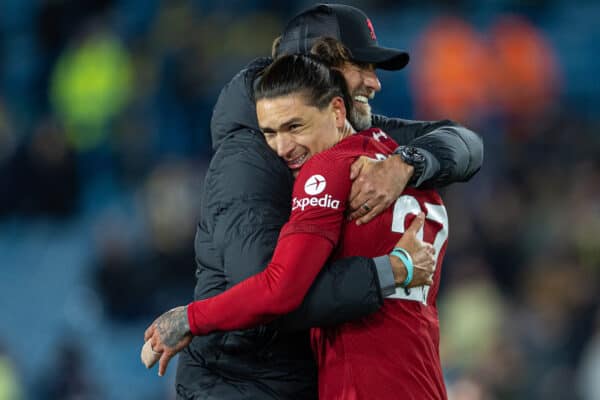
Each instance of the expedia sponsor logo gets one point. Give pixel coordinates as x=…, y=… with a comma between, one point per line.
x=315, y=185
x=325, y=202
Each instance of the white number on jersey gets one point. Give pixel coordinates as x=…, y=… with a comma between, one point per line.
x=405, y=205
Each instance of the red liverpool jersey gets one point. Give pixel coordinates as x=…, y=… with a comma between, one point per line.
x=393, y=353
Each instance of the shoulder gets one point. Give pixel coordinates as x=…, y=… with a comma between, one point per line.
x=339, y=156
x=321, y=191
x=379, y=141
x=390, y=124
x=331, y=167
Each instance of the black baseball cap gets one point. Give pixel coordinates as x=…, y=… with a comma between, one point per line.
x=347, y=24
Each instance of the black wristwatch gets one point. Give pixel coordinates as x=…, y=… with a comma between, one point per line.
x=412, y=156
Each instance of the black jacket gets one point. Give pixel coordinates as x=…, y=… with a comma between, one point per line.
x=246, y=200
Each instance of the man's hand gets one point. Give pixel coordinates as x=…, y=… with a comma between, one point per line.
x=422, y=254
x=168, y=335
x=377, y=184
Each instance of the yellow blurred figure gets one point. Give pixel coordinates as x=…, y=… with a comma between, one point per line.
x=9, y=384
x=90, y=85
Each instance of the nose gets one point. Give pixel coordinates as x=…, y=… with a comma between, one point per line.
x=371, y=80
x=284, y=145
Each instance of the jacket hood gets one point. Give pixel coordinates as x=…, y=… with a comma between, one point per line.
x=235, y=111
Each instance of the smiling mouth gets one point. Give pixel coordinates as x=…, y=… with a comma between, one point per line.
x=297, y=162
x=361, y=99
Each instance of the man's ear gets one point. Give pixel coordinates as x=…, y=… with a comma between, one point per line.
x=339, y=108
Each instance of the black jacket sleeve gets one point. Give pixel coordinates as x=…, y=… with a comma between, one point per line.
x=346, y=286
x=452, y=152
x=247, y=228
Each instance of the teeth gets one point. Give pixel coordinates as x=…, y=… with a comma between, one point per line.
x=361, y=99
x=298, y=160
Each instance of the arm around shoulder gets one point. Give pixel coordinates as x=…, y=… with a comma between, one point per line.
x=344, y=290
x=451, y=152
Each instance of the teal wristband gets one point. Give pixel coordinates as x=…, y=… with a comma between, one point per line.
x=407, y=260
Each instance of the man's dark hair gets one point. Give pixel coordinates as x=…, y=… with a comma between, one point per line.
x=306, y=75
x=332, y=51
x=328, y=49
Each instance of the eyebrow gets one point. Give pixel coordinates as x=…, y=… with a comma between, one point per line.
x=283, y=125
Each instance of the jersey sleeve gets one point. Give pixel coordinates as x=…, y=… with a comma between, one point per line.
x=320, y=196
x=304, y=245
x=381, y=138
x=277, y=290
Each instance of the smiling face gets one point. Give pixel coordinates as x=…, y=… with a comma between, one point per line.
x=297, y=131
x=362, y=83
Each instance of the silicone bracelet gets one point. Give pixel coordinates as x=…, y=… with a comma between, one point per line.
x=407, y=260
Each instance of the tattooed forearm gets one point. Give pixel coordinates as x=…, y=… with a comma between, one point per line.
x=173, y=326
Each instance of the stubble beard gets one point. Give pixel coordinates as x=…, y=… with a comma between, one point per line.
x=361, y=119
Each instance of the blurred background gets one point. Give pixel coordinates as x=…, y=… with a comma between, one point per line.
x=104, y=139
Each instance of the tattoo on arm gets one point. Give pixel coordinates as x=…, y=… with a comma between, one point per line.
x=173, y=326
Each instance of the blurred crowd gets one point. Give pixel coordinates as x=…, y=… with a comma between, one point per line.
x=104, y=139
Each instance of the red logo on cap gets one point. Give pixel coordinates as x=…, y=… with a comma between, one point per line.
x=371, y=29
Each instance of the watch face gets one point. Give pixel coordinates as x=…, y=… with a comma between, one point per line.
x=412, y=155
x=418, y=157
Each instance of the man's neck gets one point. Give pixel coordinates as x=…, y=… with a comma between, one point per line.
x=347, y=130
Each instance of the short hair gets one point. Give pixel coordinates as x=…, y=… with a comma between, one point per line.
x=306, y=75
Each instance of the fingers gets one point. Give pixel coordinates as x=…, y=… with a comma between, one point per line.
x=356, y=167
x=357, y=205
x=426, y=251
x=164, y=362
x=363, y=185
x=156, y=344
x=416, y=224
x=361, y=191
x=148, y=355
x=422, y=277
x=424, y=265
x=424, y=254
x=357, y=196
x=366, y=214
x=368, y=205
x=423, y=259
x=427, y=268
x=378, y=209
x=149, y=332
x=424, y=262
x=154, y=351
x=363, y=208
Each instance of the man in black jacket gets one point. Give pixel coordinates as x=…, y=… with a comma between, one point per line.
x=246, y=200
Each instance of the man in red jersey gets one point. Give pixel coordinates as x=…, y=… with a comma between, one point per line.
x=393, y=353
